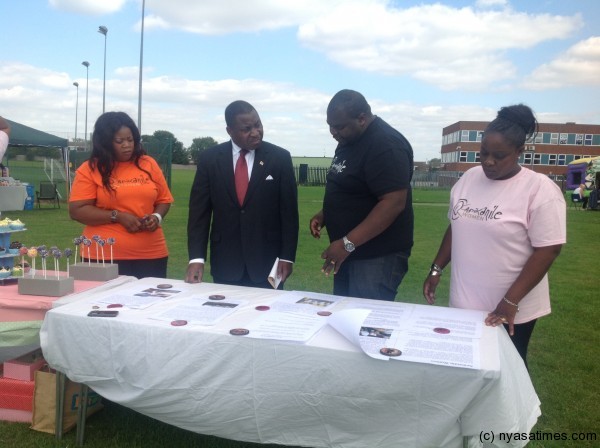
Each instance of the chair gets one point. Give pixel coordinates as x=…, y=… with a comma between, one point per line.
x=47, y=192
x=576, y=201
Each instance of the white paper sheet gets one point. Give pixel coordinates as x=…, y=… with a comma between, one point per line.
x=273, y=278
x=286, y=326
x=200, y=311
x=140, y=298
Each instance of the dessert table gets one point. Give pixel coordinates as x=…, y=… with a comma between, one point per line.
x=322, y=393
x=21, y=316
x=12, y=198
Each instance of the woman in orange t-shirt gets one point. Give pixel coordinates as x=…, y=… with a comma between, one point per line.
x=121, y=193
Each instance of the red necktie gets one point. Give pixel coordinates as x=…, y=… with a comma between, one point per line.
x=241, y=176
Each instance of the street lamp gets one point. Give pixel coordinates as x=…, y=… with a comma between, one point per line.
x=103, y=30
x=76, y=84
x=87, y=82
x=141, y=63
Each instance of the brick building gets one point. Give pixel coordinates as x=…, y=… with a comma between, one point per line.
x=555, y=145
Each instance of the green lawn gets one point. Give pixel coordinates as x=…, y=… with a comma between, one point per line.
x=563, y=355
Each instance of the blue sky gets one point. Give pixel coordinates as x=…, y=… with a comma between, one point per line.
x=422, y=65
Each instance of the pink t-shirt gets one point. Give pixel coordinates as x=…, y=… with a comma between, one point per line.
x=495, y=226
x=3, y=144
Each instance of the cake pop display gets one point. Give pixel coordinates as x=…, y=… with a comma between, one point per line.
x=32, y=253
x=56, y=253
x=100, y=242
x=23, y=252
x=87, y=243
x=111, y=241
x=77, y=243
x=67, y=253
x=43, y=254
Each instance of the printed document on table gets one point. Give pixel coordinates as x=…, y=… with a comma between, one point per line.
x=201, y=311
x=285, y=326
x=140, y=298
x=304, y=302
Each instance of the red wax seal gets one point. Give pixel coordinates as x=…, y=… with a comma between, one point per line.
x=95, y=307
x=179, y=323
x=164, y=286
x=239, y=331
x=324, y=313
x=115, y=305
x=441, y=330
x=216, y=297
x=390, y=351
x=262, y=308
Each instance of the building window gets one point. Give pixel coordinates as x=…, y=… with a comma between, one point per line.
x=588, y=140
x=464, y=137
x=479, y=135
x=463, y=156
x=570, y=139
x=546, y=138
x=537, y=159
x=596, y=140
x=554, y=138
x=579, y=139
x=552, y=159
x=527, y=156
x=562, y=159
x=563, y=139
x=539, y=137
x=477, y=157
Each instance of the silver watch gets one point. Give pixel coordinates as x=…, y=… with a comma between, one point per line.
x=348, y=245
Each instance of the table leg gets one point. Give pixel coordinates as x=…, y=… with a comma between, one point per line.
x=60, y=404
x=81, y=415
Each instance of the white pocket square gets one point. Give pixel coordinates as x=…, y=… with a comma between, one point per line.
x=269, y=177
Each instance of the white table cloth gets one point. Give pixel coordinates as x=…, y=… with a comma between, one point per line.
x=12, y=198
x=325, y=393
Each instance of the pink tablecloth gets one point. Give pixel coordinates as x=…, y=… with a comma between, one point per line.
x=15, y=307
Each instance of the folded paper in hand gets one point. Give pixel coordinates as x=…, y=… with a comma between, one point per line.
x=274, y=280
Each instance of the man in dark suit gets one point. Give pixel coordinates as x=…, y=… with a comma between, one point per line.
x=245, y=194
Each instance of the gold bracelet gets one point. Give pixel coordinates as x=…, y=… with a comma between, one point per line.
x=511, y=303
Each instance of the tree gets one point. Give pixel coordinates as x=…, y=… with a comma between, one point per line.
x=161, y=139
x=201, y=144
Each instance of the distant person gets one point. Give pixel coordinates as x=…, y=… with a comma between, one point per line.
x=121, y=192
x=580, y=191
x=4, y=137
x=245, y=200
x=367, y=207
x=507, y=226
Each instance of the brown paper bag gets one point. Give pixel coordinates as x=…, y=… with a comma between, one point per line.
x=44, y=403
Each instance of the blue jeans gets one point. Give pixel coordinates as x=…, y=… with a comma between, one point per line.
x=373, y=278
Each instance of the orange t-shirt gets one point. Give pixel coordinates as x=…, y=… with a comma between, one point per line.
x=134, y=192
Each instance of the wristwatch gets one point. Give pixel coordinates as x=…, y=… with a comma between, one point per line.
x=113, y=216
x=435, y=270
x=348, y=245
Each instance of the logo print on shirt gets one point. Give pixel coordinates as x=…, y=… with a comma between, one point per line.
x=337, y=168
x=462, y=209
x=132, y=182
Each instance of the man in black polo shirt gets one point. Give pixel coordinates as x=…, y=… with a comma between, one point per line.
x=368, y=202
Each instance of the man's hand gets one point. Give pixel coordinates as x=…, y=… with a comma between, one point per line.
x=334, y=256
x=195, y=272
x=316, y=224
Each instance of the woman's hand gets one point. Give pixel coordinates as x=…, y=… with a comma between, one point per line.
x=503, y=314
x=131, y=222
x=150, y=222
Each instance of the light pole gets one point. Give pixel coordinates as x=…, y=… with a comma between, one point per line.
x=76, y=84
x=103, y=30
x=87, y=82
x=141, y=64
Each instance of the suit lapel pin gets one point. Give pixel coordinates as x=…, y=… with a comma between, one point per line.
x=261, y=163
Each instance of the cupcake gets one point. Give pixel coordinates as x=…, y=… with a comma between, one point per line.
x=2, y=250
x=14, y=247
x=17, y=271
x=5, y=272
x=16, y=225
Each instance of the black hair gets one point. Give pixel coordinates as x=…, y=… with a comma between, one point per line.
x=516, y=123
x=103, y=155
x=351, y=102
x=236, y=108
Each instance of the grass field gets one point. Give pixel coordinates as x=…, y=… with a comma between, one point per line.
x=563, y=355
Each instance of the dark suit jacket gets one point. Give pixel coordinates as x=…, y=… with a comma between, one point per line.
x=251, y=235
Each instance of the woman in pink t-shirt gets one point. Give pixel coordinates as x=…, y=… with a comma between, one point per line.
x=507, y=225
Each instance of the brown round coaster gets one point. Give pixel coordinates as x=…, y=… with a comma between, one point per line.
x=179, y=323
x=324, y=313
x=239, y=331
x=164, y=286
x=216, y=297
x=262, y=308
x=390, y=351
